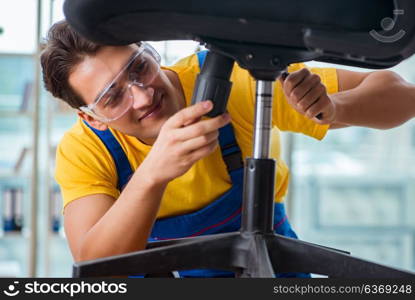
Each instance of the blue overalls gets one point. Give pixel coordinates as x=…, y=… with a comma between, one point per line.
x=222, y=215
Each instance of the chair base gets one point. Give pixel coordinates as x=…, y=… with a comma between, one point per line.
x=249, y=255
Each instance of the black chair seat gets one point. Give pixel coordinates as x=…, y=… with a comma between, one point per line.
x=338, y=30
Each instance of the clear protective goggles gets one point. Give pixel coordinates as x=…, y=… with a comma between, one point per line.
x=117, y=98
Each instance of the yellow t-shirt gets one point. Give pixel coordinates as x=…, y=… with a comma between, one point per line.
x=85, y=167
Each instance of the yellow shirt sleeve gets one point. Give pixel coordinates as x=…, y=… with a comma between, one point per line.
x=287, y=118
x=84, y=166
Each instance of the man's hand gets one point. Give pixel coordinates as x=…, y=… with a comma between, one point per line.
x=306, y=94
x=182, y=141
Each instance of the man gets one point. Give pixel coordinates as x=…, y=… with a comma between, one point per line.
x=180, y=183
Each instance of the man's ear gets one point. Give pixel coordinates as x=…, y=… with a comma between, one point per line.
x=93, y=122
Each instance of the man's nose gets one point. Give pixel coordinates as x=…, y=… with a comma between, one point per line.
x=142, y=96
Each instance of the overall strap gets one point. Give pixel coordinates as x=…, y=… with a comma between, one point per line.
x=201, y=56
x=122, y=164
x=231, y=153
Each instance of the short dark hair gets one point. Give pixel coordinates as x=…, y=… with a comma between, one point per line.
x=62, y=51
